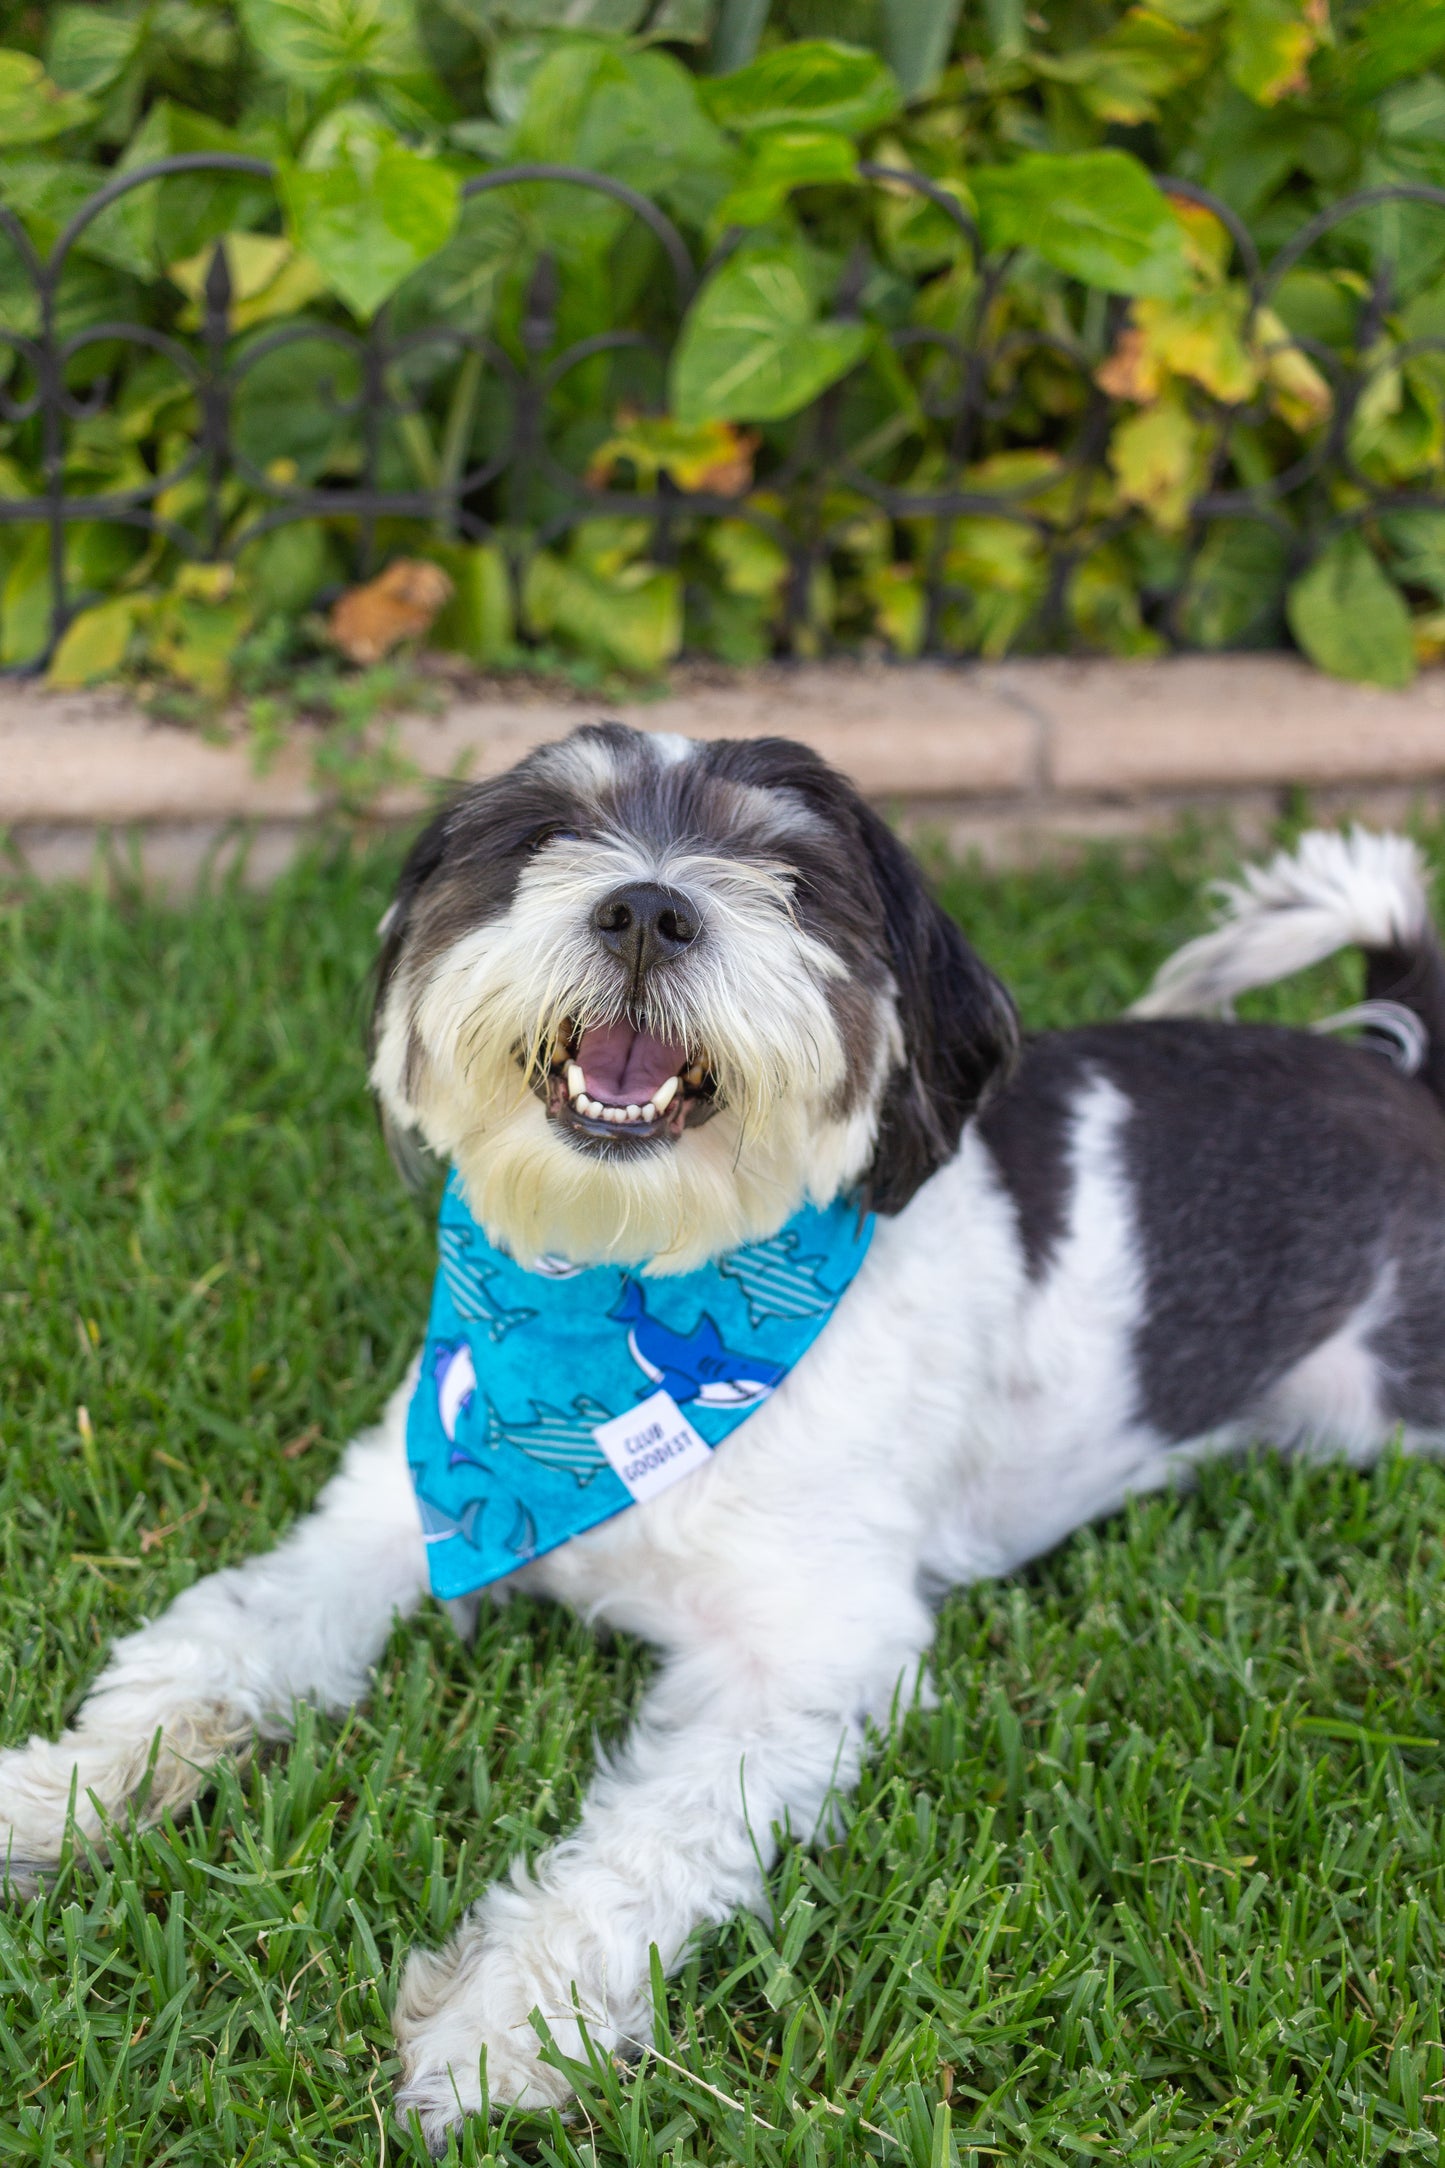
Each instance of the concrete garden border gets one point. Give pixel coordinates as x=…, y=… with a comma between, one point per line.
x=1013, y=758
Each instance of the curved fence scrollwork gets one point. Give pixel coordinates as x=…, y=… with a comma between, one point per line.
x=1001, y=417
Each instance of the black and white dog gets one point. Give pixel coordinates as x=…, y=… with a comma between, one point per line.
x=1096, y=1261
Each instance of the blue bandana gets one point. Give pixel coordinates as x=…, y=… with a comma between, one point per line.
x=551, y=1399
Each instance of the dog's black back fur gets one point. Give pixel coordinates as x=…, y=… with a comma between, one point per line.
x=1274, y=1174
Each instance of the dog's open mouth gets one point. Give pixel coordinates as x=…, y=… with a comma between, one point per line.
x=625, y=1085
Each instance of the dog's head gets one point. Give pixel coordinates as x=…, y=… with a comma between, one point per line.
x=650, y=996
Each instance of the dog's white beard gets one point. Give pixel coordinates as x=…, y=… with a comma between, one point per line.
x=447, y=1064
x=669, y=1210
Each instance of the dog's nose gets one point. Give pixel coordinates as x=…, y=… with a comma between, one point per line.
x=645, y=924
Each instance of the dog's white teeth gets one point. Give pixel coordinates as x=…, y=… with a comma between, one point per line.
x=615, y=1114
x=663, y=1097
x=634, y=1114
x=649, y=1112
x=576, y=1082
x=587, y=1106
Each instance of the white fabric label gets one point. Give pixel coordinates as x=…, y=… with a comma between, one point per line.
x=652, y=1446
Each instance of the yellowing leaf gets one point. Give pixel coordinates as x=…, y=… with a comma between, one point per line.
x=269, y=278
x=1208, y=242
x=1271, y=43
x=1122, y=77
x=1301, y=395
x=1201, y=337
x=750, y=561
x=196, y=640
x=713, y=456
x=1000, y=555
x=94, y=644
x=32, y=108
x=1158, y=458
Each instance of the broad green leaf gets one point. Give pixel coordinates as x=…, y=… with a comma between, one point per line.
x=478, y=620
x=635, y=621
x=633, y=115
x=91, y=46
x=196, y=31
x=1103, y=604
x=812, y=83
x=289, y=419
x=97, y=555
x=283, y=572
x=94, y=644
x=1094, y=214
x=916, y=38
x=752, y=348
x=164, y=221
x=45, y=195
x=370, y=218
x=1235, y=585
x=784, y=159
x=459, y=286
x=1318, y=305
x=25, y=600
x=317, y=43
x=1270, y=45
x=32, y=108
x=1390, y=43
x=1350, y=618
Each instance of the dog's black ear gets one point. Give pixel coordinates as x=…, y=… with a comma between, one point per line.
x=959, y=1026
x=409, y=1154
x=421, y=862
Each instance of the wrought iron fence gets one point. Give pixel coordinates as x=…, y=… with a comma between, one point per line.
x=514, y=469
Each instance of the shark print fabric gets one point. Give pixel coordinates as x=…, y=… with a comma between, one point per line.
x=523, y=1369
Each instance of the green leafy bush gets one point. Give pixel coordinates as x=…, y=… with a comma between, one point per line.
x=853, y=428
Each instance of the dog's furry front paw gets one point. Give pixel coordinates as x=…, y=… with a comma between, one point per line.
x=474, y=1999
x=35, y=1796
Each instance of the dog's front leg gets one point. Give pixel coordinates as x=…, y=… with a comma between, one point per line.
x=304, y=1622
x=752, y=1731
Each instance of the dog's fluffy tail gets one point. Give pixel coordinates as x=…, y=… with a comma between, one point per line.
x=1331, y=892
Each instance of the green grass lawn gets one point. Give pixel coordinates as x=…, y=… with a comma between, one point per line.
x=1160, y=1879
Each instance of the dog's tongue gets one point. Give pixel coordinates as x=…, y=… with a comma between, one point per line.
x=625, y=1067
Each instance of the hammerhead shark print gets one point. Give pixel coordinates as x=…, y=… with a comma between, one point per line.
x=693, y=1366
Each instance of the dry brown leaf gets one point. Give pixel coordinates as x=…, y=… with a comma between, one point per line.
x=402, y=603
x=1131, y=371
